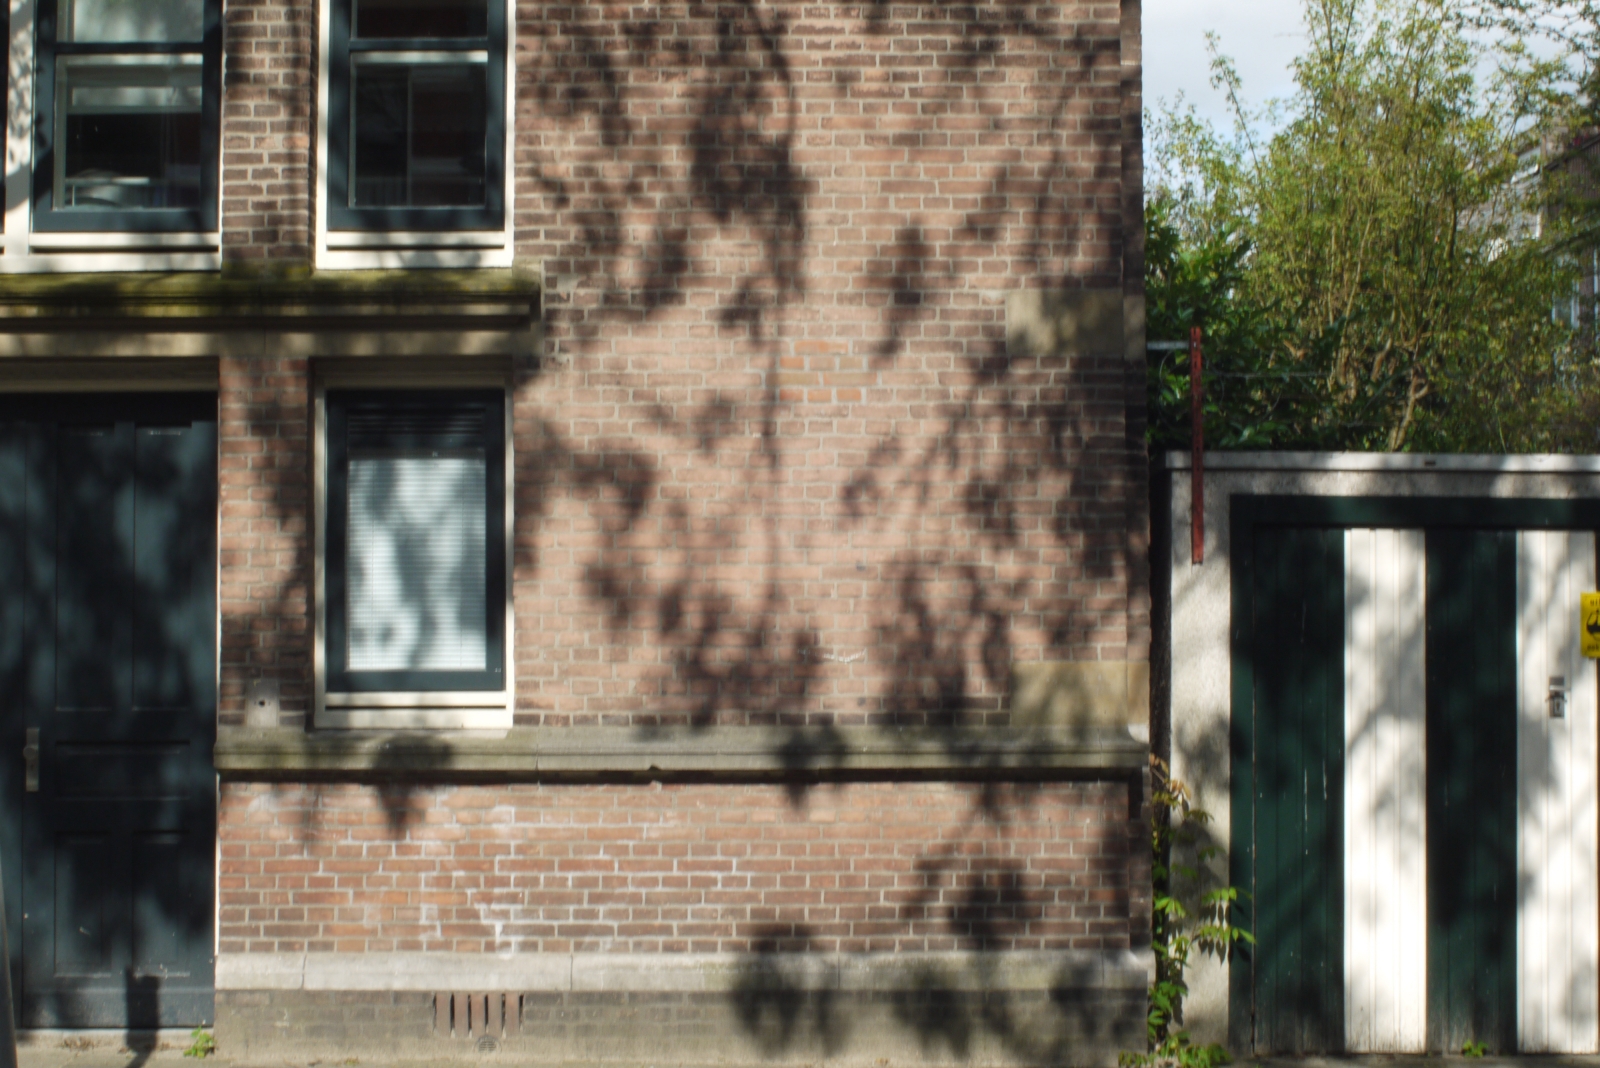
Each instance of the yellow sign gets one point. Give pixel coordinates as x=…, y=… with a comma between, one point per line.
x=1589, y=625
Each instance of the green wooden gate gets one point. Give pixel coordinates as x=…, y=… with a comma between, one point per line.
x=1287, y=992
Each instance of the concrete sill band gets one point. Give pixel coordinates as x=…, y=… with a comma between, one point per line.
x=688, y=973
x=773, y=753
x=245, y=295
x=1387, y=461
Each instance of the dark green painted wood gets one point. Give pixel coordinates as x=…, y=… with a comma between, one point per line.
x=1472, y=789
x=17, y=618
x=1294, y=753
x=1430, y=513
x=117, y=522
x=1242, y=792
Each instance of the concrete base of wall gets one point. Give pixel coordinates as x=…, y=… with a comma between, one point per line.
x=1071, y=1027
x=1080, y=1018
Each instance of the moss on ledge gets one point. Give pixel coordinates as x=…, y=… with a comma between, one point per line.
x=739, y=753
x=243, y=292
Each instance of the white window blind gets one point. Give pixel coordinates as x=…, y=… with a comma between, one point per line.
x=416, y=578
x=141, y=20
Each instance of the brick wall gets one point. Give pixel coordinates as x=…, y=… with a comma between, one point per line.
x=780, y=466
x=266, y=129
x=264, y=543
x=678, y=868
x=1139, y=621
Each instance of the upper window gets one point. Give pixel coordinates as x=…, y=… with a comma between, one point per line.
x=126, y=119
x=415, y=544
x=416, y=128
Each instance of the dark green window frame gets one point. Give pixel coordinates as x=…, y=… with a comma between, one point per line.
x=343, y=51
x=47, y=217
x=396, y=406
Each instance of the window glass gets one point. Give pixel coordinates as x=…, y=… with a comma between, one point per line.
x=415, y=541
x=420, y=135
x=416, y=116
x=89, y=21
x=421, y=18
x=129, y=131
x=127, y=120
x=416, y=582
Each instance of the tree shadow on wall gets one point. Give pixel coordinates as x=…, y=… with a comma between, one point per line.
x=1004, y=456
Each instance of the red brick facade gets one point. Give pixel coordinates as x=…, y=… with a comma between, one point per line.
x=777, y=463
x=264, y=500
x=867, y=867
x=268, y=64
x=794, y=458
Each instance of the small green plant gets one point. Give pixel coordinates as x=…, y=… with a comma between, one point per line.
x=201, y=1044
x=1474, y=1049
x=1176, y=930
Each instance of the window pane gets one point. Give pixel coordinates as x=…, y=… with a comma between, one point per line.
x=131, y=20
x=421, y=135
x=416, y=569
x=128, y=133
x=422, y=18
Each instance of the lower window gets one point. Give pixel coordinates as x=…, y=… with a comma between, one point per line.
x=415, y=548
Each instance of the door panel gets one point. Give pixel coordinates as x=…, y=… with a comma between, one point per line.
x=117, y=525
x=1386, y=953
x=1472, y=800
x=1297, y=966
x=83, y=907
x=93, y=521
x=173, y=564
x=1558, y=941
x=20, y=617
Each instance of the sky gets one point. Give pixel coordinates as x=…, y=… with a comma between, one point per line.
x=1261, y=36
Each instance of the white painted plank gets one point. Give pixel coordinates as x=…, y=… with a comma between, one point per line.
x=1558, y=937
x=1385, y=792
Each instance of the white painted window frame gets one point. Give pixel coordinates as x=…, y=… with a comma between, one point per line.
x=24, y=252
x=376, y=250
x=428, y=710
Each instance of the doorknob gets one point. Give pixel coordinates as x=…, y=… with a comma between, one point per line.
x=30, y=762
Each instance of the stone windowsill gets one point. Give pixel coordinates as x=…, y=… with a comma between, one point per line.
x=771, y=753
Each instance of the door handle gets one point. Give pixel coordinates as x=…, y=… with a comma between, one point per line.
x=1558, y=696
x=30, y=762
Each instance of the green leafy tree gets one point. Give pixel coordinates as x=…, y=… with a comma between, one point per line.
x=1381, y=271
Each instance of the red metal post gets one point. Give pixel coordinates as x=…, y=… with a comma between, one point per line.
x=1197, y=451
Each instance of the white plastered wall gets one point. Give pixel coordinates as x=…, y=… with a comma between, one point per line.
x=1201, y=604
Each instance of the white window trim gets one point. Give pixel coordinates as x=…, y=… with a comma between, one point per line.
x=405, y=711
x=24, y=252
x=371, y=250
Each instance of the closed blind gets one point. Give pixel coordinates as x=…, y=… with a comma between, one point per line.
x=416, y=569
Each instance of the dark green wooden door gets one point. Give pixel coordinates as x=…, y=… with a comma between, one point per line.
x=1287, y=791
x=1472, y=789
x=107, y=545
